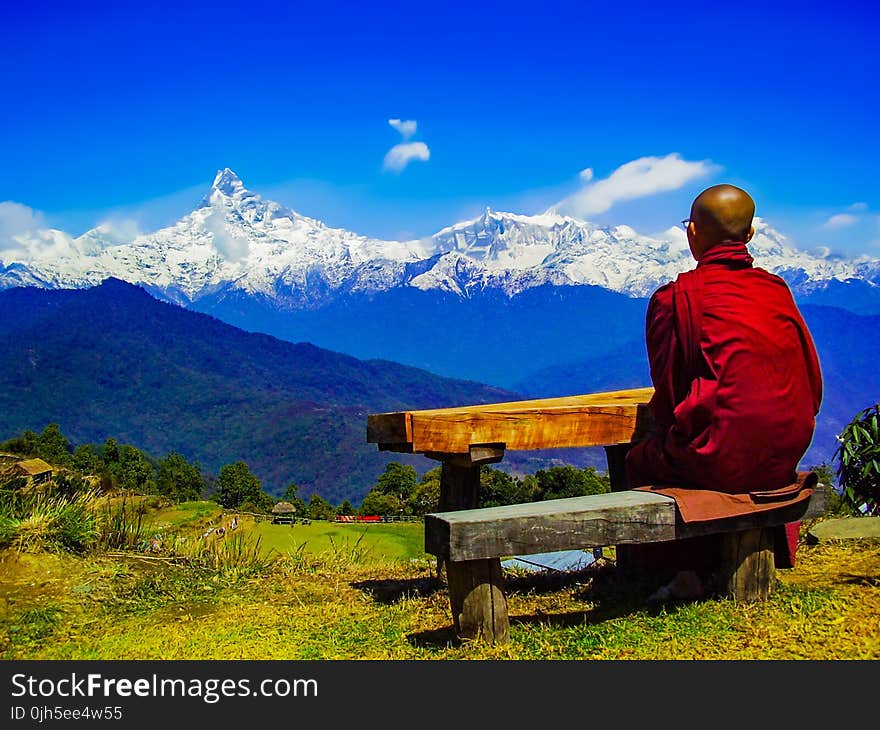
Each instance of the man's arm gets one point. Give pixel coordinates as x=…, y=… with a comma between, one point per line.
x=645, y=462
x=663, y=357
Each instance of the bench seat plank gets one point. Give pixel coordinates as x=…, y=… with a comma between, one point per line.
x=616, y=518
x=557, y=524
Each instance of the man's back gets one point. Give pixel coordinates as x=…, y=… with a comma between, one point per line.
x=737, y=380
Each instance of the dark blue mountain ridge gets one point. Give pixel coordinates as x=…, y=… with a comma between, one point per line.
x=854, y=295
x=114, y=361
x=486, y=336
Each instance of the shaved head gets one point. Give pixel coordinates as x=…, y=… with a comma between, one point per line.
x=724, y=212
x=721, y=213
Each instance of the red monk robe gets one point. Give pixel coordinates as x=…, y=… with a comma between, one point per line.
x=736, y=376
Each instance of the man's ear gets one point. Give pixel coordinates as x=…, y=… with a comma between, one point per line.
x=750, y=234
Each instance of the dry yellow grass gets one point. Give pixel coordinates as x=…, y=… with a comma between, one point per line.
x=60, y=606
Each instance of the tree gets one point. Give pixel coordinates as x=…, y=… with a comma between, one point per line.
x=87, y=460
x=834, y=503
x=53, y=446
x=859, y=461
x=320, y=509
x=25, y=445
x=179, y=480
x=68, y=484
x=134, y=471
x=236, y=484
x=379, y=503
x=399, y=480
x=426, y=498
x=568, y=481
x=262, y=502
x=291, y=494
x=498, y=488
x=345, y=508
x=110, y=452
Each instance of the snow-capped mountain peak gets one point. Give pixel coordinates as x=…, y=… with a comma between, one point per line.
x=227, y=182
x=235, y=242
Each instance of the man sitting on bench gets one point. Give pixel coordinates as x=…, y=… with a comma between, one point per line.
x=737, y=382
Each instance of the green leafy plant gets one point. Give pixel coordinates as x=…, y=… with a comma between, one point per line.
x=858, y=471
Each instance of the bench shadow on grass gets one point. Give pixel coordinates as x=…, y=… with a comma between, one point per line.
x=398, y=589
x=609, y=594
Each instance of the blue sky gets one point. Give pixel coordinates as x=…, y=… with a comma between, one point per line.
x=126, y=111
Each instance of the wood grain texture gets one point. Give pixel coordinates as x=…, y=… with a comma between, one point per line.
x=479, y=607
x=389, y=428
x=477, y=455
x=747, y=570
x=595, y=419
x=558, y=524
x=630, y=557
x=618, y=518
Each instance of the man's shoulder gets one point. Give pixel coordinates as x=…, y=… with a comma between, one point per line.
x=662, y=296
x=769, y=276
x=758, y=275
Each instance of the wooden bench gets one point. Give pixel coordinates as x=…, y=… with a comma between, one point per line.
x=471, y=541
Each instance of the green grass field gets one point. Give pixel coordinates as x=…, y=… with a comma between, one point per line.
x=368, y=591
x=373, y=542
x=370, y=542
x=188, y=514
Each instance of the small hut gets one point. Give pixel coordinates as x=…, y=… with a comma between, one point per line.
x=36, y=470
x=285, y=513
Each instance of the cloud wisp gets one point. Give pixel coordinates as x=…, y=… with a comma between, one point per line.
x=400, y=155
x=230, y=245
x=407, y=128
x=25, y=236
x=841, y=220
x=635, y=179
x=855, y=214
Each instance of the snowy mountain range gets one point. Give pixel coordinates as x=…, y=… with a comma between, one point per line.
x=543, y=305
x=235, y=243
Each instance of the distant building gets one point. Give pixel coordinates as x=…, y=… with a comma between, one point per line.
x=284, y=512
x=37, y=470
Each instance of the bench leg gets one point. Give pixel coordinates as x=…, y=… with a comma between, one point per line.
x=476, y=595
x=459, y=489
x=747, y=569
x=631, y=559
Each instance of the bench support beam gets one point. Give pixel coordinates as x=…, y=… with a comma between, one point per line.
x=476, y=595
x=630, y=559
x=476, y=587
x=747, y=569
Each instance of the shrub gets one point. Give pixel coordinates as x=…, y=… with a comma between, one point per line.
x=237, y=555
x=859, y=461
x=57, y=522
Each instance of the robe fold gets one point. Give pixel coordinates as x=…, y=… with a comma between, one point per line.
x=737, y=385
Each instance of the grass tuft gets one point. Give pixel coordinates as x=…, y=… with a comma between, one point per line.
x=122, y=525
x=53, y=522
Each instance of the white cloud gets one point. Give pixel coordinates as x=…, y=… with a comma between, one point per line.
x=401, y=155
x=858, y=207
x=636, y=179
x=407, y=128
x=16, y=218
x=841, y=220
x=120, y=230
x=230, y=245
x=25, y=236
